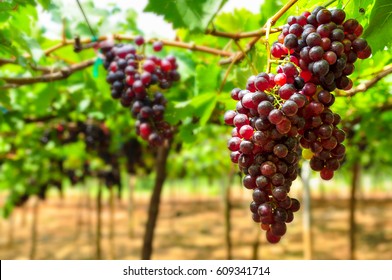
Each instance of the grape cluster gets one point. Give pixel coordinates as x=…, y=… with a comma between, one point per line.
x=279, y=118
x=275, y=117
x=321, y=138
x=137, y=81
x=324, y=45
x=265, y=145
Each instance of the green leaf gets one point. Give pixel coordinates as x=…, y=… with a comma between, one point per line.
x=31, y=45
x=194, y=15
x=5, y=100
x=177, y=111
x=131, y=19
x=269, y=8
x=204, y=105
x=7, y=209
x=44, y=3
x=186, y=133
x=359, y=9
x=239, y=21
x=7, y=7
x=339, y=4
x=186, y=64
x=207, y=78
x=227, y=101
x=241, y=75
x=83, y=105
x=96, y=115
x=108, y=107
x=44, y=99
x=379, y=31
x=4, y=16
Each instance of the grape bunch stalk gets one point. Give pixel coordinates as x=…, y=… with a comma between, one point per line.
x=280, y=117
x=139, y=81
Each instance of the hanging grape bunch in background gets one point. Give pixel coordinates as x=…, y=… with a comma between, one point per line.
x=138, y=81
x=278, y=115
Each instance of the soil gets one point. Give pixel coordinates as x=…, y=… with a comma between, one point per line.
x=191, y=227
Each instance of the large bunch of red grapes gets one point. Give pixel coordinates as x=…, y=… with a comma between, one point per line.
x=279, y=115
x=137, y=81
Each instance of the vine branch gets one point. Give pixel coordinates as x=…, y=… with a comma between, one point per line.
x=242, y=35
x=367, y=84
x=40, y=119
x=60, y=74
x=250, y=45
x=381, y=109
x=178, y=44
x=89, y=43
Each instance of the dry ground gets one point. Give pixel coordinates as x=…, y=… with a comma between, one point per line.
x=192, y=227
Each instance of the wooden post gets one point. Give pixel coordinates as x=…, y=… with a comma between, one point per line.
x=131, y=205
x=11, y=230
x=99, y=223
x=306, y=210
x=79, y=213
x=355, y=184
x=90, y=231
x=112, y=209
x=227, y=213
x=34, y=229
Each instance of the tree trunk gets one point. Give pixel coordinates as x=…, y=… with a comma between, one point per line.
x=131, y=206
x=153, y=210
x=306, y=210
x=34, y=227
x=356, y=172
x=112, y=210
x=99, y=223
x=227, y=213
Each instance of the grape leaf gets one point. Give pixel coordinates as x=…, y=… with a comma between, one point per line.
x=207, y=78
x=176, y=111
x=32, y=46
x=44, y=3
x=379, y=31
x=194, y=15
x=268, y=8
x=204, y=105
x=186, y=133
x=238, y=21
x=43, y=99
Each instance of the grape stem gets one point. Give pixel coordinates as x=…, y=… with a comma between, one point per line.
x=267, y=46
x=225, y=77
x=64, y=30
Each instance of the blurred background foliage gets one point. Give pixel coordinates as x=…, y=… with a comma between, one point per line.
x=31, y=165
